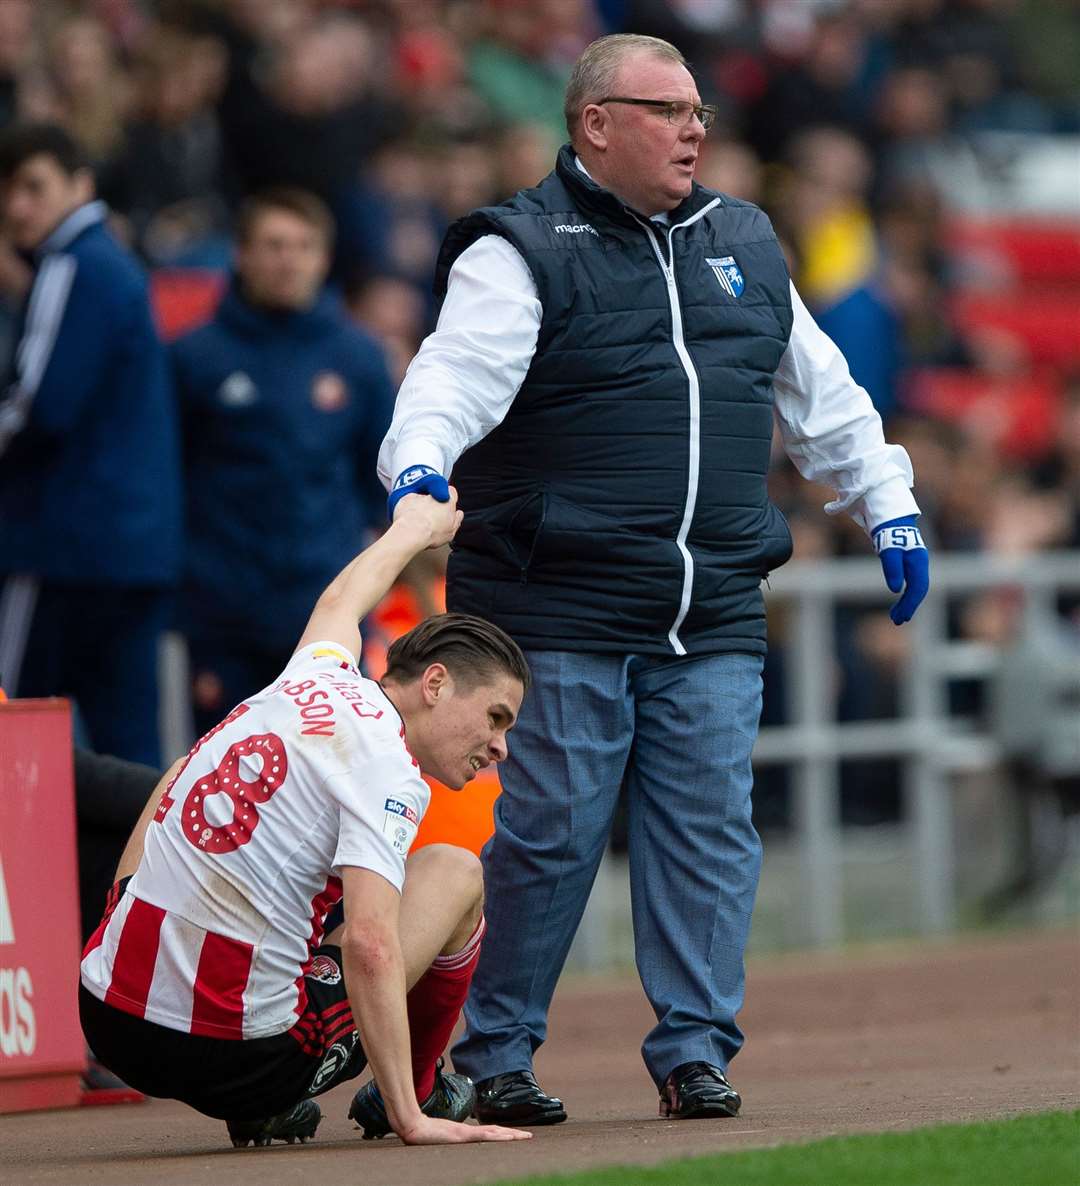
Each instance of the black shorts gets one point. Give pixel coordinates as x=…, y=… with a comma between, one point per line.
x=251, y=1079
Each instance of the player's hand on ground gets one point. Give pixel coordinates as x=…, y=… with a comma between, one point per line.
x=439, y=521
x=430, y=1131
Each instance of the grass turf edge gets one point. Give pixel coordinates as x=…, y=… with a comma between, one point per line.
x=1036, y=1149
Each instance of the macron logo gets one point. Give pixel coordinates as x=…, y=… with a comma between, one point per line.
x=577, y=228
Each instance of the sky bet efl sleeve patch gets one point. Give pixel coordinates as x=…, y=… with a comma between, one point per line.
x=400, y=822
x=381, y=802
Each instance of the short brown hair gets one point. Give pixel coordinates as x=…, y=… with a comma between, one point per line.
x=470, y=649
x=594, y=72
x=305, y=205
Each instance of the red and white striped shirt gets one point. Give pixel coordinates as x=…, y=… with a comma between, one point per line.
x=243, y=858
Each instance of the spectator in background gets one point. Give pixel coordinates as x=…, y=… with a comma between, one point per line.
x=82, y=87
x=306, y=103
x=1045, y=35
x=395, y=312
x=399, y=201
x=89, y=477
x=521, y=66
x=830, y=85
x=169, y=175
x=523, y=155
x=429, y=66
x=911, y=128
x=916, y=276
x=305, y=111
x=16, y=46
x=732, y=168
x=839, y=272
x=468, y=177
x=284, y=403
x=1061, y=469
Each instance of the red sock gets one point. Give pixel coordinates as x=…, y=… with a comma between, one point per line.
x=434, y=1004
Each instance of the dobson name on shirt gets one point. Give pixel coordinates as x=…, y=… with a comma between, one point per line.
x=313, y=698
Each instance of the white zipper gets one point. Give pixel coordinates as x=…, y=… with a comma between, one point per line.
x=668, y=268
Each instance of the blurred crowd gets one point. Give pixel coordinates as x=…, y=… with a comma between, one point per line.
x=836, y=115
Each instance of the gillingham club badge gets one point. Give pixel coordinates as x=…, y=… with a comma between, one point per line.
x=726, y=271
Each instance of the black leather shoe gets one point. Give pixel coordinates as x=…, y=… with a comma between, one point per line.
x=696, y=1091
x=516, y=1099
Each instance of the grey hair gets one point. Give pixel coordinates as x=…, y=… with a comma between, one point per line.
x=594, y=72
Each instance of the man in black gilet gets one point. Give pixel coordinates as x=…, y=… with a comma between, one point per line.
x=611, y=349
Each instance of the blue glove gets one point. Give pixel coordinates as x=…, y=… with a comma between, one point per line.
x=905, y=562
x=417, y=479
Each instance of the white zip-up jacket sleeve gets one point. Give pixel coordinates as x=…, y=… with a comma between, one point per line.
x=832, y=432
x=468, y=371
x=466, y=374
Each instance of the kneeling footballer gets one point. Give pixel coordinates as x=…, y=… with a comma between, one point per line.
x=269, y=934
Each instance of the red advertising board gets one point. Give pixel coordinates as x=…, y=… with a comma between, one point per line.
x=41, y=1044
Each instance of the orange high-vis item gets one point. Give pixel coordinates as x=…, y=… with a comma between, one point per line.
x=465, y=818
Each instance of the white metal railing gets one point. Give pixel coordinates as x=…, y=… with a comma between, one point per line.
x=931, y=746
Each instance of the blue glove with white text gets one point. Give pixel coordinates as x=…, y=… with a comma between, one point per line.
x=417, y=479
x=905, y=563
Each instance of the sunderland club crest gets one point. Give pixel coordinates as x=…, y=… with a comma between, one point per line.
x=727, y=272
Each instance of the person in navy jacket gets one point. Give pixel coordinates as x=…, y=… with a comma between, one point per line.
x=283, y=403
x=89, y=459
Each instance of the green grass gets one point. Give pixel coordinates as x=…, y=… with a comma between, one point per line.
x=1035, y=1150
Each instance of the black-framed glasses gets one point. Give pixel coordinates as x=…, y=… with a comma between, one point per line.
x=678, y=111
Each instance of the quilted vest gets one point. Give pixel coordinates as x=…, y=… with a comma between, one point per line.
x=621, y=506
